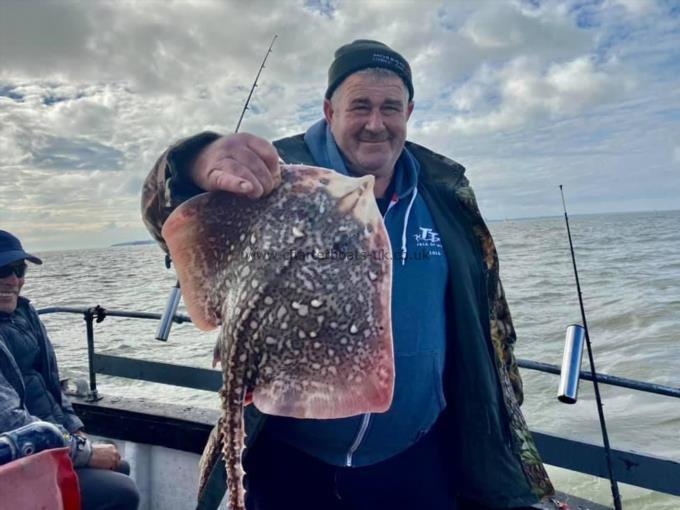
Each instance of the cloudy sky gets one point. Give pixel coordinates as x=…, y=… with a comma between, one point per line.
x=526, y=94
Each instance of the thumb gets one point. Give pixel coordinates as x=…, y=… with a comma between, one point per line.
x=221, y=180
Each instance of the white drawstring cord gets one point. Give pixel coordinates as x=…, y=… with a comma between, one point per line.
x=403, y=233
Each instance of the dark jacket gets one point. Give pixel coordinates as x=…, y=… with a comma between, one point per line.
x=496, y=460
x=16, y=327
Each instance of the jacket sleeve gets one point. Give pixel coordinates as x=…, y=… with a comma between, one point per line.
x=12, y=412
x=168, y=183
x=80, y=450
x=73, y=423
x=14, y=415
x=503, y=333
x=508, y=337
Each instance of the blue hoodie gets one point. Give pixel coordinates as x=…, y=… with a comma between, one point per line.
x=419, y=277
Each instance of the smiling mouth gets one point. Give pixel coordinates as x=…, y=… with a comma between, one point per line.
x=4, y=294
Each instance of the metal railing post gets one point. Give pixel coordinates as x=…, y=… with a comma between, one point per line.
x=89, y=316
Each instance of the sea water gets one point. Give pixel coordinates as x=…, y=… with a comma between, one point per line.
x=629, y=268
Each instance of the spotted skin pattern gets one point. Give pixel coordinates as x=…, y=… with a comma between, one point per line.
x=300, y=282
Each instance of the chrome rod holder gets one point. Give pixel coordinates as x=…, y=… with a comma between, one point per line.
x=163, y=331
x=574, y=341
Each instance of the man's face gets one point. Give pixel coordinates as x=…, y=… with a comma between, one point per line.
x=10, y=285
x=368, y=118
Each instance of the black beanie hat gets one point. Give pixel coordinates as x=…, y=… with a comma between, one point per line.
x=362, y=54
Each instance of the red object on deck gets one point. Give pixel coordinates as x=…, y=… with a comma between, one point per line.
x=42, y=481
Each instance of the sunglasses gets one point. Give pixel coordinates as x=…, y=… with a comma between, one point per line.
x=18, y=269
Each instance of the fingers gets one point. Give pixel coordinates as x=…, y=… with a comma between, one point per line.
x=105, y=456
x=234, y=177
x=269, y=156
x=248, y=166
x=240, y=163
x=114, y=458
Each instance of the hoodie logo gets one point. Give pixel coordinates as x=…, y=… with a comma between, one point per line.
x=428, y=235
x=429, y=240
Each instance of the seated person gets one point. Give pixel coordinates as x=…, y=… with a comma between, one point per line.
x=30, y=389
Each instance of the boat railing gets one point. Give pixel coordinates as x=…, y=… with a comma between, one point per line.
x=639, y=469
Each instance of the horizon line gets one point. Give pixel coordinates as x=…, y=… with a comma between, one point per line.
x=150, y=240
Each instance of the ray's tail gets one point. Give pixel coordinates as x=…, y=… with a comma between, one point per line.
x=233, y=433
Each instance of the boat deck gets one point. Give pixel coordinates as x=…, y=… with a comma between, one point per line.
x=185, y=428
x=563, y=501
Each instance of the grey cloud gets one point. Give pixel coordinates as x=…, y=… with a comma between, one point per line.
x=11, y=93
x=32, y=34
x=113, y=41
x=51, y=99
x=133, y=185
x=223, y=40
x=324, y=7
x=502, y=30
x=523, y=94
x=72, y=154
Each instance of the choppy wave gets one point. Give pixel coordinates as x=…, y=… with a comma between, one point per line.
x=629, y=267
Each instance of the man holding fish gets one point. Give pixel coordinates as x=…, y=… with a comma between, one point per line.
x=454, y=436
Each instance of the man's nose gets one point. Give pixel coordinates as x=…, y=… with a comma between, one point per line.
x=375, y=121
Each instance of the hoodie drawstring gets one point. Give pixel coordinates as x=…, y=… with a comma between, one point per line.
x=403, y=232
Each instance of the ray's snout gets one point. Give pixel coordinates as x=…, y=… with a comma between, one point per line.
x=354, y=195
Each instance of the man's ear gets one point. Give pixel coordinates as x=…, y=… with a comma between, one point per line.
x=328, y=110
x=409, y=110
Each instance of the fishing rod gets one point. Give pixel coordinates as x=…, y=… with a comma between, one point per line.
x=168, y=316
x=600, y=407
x=252, y=89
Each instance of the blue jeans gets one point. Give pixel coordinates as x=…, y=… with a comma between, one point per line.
x=102, y=489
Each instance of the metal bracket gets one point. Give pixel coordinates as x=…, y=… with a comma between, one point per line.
x=89, y=316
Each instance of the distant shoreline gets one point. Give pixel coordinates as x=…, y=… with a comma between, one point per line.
x=134, y=243
x=490, y=221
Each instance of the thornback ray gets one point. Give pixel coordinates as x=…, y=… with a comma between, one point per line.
x=300, y=283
